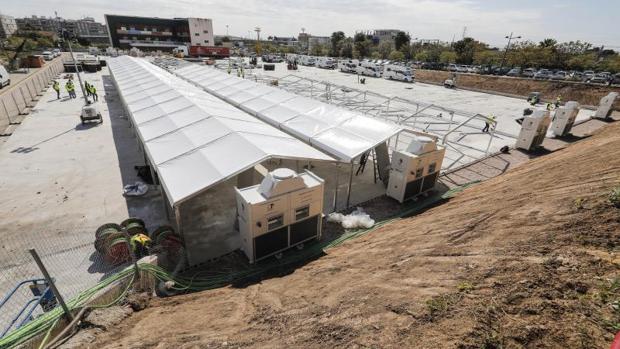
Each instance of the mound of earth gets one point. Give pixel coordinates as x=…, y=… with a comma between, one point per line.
x=525, y=260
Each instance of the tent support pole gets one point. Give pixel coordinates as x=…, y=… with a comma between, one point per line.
x=350, y=182
x=177, y=217
x=165, y=202
x=336, y=188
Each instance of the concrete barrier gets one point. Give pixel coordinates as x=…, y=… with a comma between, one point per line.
x=15, y=103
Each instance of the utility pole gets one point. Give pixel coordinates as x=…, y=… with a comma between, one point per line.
x=257, y=49
x=66, y=37
x=226, y=29
x=510, y=37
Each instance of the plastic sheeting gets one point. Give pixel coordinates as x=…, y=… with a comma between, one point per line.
x=193, y=139
x=339, y=132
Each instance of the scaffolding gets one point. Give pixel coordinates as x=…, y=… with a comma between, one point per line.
x=459, y=131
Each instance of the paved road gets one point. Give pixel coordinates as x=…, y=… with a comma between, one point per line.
x=16, y=78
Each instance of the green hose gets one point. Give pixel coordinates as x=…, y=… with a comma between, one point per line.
x=181, y=283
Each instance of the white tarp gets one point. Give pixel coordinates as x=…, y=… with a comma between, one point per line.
x=337, y=131
x=193, y=139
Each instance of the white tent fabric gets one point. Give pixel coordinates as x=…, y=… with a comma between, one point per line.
x=339, y=132
x=193, y=139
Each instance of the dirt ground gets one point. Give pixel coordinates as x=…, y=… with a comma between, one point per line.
x=582, y=93
x=525, y=260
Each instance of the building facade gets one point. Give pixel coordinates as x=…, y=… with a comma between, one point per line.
x=86, y=28
x=318, y=41
x=39, y=23
x=149, y=33
x=94, y=32
x=8, y=26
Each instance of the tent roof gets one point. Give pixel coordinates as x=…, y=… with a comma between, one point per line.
x=194, y=139
x=342, y=133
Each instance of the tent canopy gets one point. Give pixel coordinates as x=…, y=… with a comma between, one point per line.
x=193, y=139
x=339, y=132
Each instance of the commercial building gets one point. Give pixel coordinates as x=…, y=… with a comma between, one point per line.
x=318, y=41
x=7, y=26
x=39, y=23
x=307, y=41
x=285, y=41
x=94, y=32
x=86, y=28
x=150, y=33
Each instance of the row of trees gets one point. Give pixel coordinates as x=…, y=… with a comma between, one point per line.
x=573, y=55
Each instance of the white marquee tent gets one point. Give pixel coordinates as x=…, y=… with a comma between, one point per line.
x=339, y=132
x=193, y=139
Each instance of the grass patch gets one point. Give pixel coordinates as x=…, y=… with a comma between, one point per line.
x=614, y=197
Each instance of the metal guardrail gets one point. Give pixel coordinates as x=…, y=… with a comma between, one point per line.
x=17, y=101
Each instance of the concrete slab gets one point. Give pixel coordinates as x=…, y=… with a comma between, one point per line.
x=60, y=181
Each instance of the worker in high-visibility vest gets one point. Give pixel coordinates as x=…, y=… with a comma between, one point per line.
x=56, y=87
x=558, y=101
x=488, y=122
x=140, y=244
x=70, y=89
x=93, y=92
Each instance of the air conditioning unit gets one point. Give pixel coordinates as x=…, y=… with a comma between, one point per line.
x=605, y=106
x=533, y=130
x=415, y=170
x=564, y=118
x=285, y=210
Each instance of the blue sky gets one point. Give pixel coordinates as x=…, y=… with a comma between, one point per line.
x=595, y=21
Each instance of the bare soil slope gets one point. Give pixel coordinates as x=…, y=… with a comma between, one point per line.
x=588, y=94
x=528, y=259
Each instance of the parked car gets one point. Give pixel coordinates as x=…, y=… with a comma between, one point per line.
x=543, y=74
x=514, y=72
x=5, y=78
x=615, y=80
x=600, y=78
x=47, y=55
x=587, y=75
x=528, y=72
x=56, y=52
x=575, y=76
x=559, y=75
x=453, y=67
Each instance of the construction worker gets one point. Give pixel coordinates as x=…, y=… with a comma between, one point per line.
x=558, y=101
x=140, y=244
x=549, y=106
x=92, y=91
x=56, y=87
x=488, y=122
x=87, y=88
x=70, y=89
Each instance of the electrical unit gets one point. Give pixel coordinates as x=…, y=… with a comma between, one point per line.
x=564, y=118
x=605, y=106
x=415, y=171
x=285, y=210
x=533, y=130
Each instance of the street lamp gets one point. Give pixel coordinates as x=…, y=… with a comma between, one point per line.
x=509, y=37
